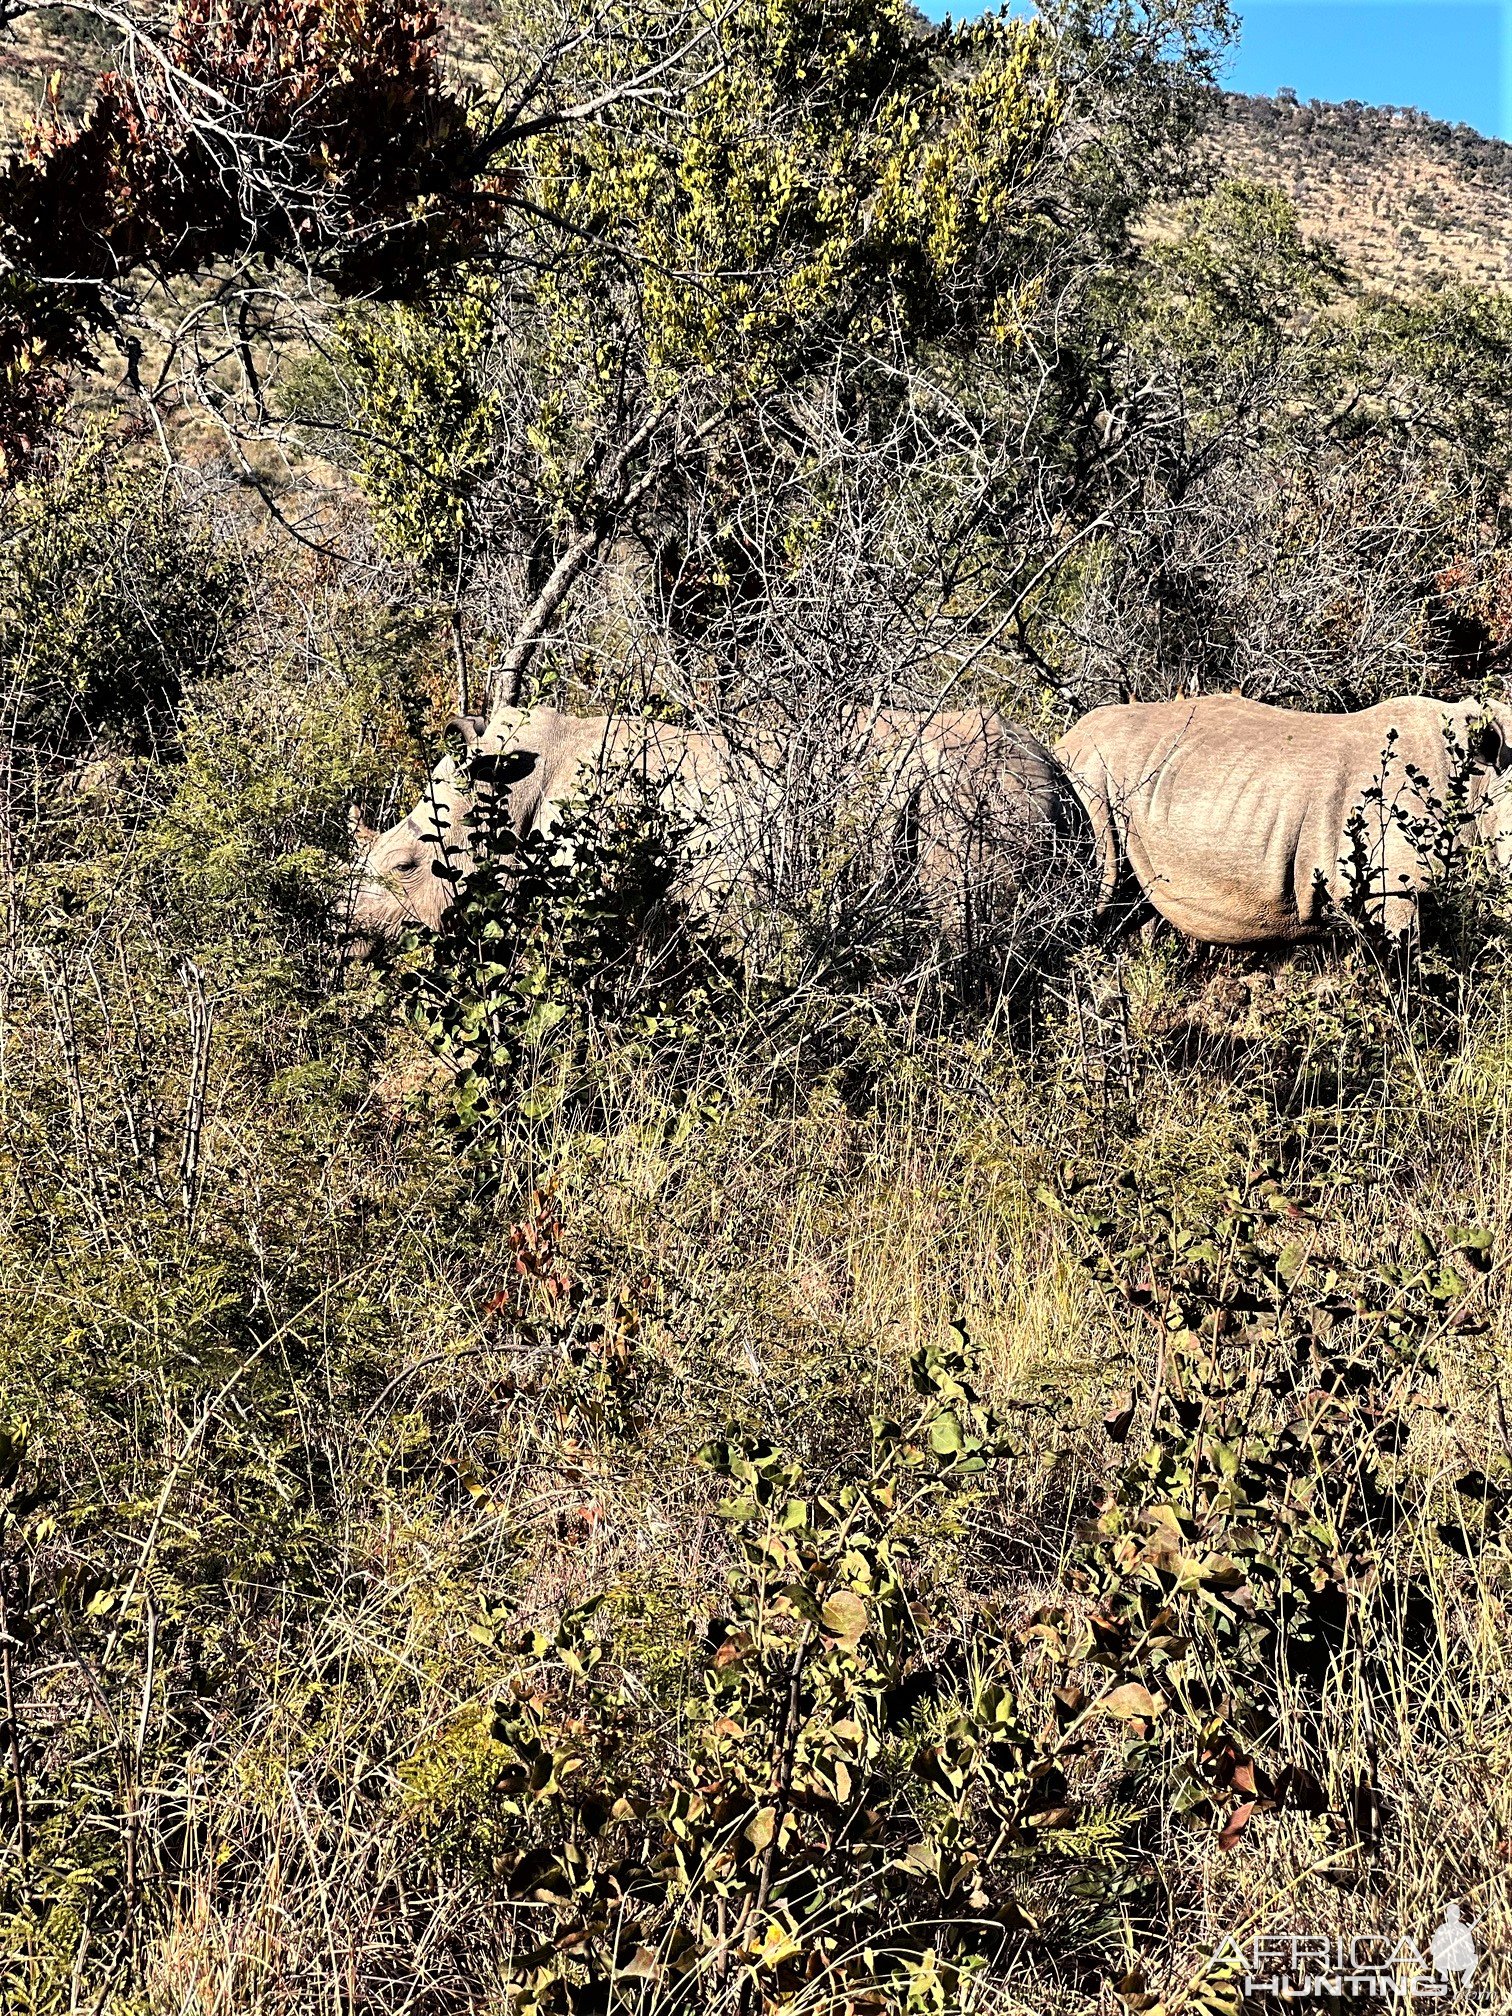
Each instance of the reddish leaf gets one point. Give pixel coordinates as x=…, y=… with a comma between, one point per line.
x=1119, y=1419
x=1130, y=1701
x=1238, y=1820
x=1053, y=1816
x=733, y=1650
x=1107, y=1633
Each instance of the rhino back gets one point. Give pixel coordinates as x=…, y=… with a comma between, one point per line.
x=1233, y=816
x=1000, y=843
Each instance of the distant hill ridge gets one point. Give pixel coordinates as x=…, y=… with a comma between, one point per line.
x=1410, y=202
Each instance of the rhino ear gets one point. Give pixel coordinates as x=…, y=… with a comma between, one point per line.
x=462, y=734
x=472, y=740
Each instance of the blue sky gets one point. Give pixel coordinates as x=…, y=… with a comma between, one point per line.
x=1452, y=58
x=1447, y=57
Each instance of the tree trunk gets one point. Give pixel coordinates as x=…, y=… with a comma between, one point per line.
x=508, y=674
x=510, y=671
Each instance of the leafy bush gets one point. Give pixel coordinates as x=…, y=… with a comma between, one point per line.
x=112, y=597
x=860, y=1808
x=1259, y=1549
x=586, y=930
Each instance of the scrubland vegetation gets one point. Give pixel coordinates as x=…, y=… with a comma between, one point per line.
x=1414, y=202
x=601, y=1465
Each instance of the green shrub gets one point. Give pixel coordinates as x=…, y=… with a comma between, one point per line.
x=857, y=1809
x=561, y=941
x=112, y=597
x=1255, y=1560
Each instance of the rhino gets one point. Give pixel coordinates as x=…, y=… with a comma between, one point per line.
x=1246, y=824
x=529, y=762
x=973, y=807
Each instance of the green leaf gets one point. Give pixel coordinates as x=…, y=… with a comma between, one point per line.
x=945, y=1437
x=543, y=1101
x=539, y=1024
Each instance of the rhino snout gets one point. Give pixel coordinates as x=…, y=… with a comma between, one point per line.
x=395, y=887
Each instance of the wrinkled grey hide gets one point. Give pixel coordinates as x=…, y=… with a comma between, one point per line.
x=984, y=815
x=1234, y=818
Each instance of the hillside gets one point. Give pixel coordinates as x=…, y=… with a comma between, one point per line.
x=1409, y=201
x=39, y=46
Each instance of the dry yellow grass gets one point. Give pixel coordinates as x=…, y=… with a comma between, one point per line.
x=309, y=1439
x=782, y=1244
x=1409, y=202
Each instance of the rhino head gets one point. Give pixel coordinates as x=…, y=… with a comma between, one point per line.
x=406, y=876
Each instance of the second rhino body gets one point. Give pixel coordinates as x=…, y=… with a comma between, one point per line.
x=1245, y=824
